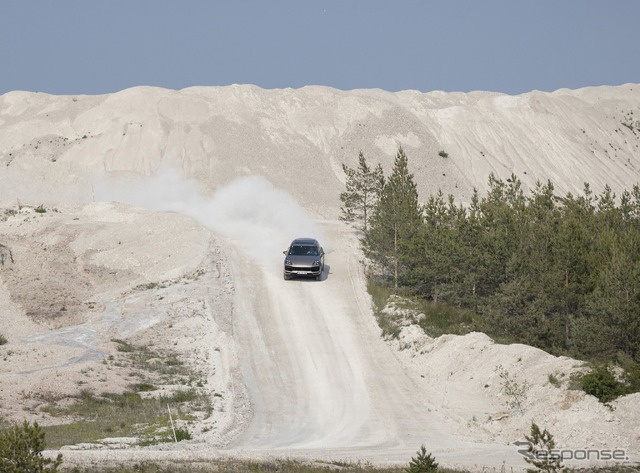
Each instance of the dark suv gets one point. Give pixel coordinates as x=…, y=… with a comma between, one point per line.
x=305, y=257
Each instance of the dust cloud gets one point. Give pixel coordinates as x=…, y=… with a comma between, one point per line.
x=250, y=210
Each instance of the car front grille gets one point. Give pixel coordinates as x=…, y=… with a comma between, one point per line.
x=289, y=267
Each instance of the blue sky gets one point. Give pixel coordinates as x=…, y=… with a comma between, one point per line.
x=510, y=46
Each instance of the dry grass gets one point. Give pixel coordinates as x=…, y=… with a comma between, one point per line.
x=90, y=417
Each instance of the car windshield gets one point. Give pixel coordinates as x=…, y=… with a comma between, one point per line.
x=298, y=250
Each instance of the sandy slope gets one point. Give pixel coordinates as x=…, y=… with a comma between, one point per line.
x=54, y=146
x=80, y=277
x=299, y=366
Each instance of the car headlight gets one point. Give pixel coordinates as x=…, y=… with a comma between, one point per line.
x=287, y=261
x=316, y=262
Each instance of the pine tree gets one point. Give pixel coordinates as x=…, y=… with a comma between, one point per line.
x=422, y=463
x=363, y=187
x=540, y=451
x=21, y=449
x=391, y=239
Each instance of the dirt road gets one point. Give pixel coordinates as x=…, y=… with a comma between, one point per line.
x=322, y=382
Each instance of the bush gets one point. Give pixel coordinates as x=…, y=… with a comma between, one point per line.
x=422, y=463
x=182, y=396
x=446, y=318
x=539, y=452
x=3, y=340
x=21, y=450
x=182, y=434
x=142, y=387
x=515, y=390
x=602, y=384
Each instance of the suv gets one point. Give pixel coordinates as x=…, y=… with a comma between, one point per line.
x=305, y=257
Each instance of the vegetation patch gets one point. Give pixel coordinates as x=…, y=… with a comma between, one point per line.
x=541, y=446
x=554, y=380
x=245, y=466
x=142, y=387
x=21, y=449
x=380, y=295
x=555, y=272
x=121, y=415
x=8, y=213
x=291, y=466
x=601, y=383
x=393, y=311
x=515, y=390
x=442, y=318
x=423, y=462
x=161, y=366
x=140, y=413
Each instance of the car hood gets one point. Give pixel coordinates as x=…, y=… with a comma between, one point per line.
x=302, y=260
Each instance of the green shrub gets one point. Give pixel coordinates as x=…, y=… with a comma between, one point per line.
x=631, y=370
x=3, y=340
x=515, y=390
x=602, y=384
x=541, y=444
x=380, y=295
x=182, y=434
x=21, y=449
x=182, y=396
x=143, y=387
x=553, y=380
x=422, y=463
x=123, y=346
x=443, y=154
x=442, y=318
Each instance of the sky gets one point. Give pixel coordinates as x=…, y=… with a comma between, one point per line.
x=512, y=46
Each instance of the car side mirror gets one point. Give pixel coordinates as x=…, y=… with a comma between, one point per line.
x=284, y=252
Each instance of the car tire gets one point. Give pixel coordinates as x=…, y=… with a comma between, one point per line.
x=286, y=278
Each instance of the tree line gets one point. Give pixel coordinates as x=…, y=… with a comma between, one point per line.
x=558, y=272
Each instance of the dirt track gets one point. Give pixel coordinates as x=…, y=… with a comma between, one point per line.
x=323, y=383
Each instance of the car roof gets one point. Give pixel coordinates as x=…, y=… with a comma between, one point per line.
x=304, y=241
